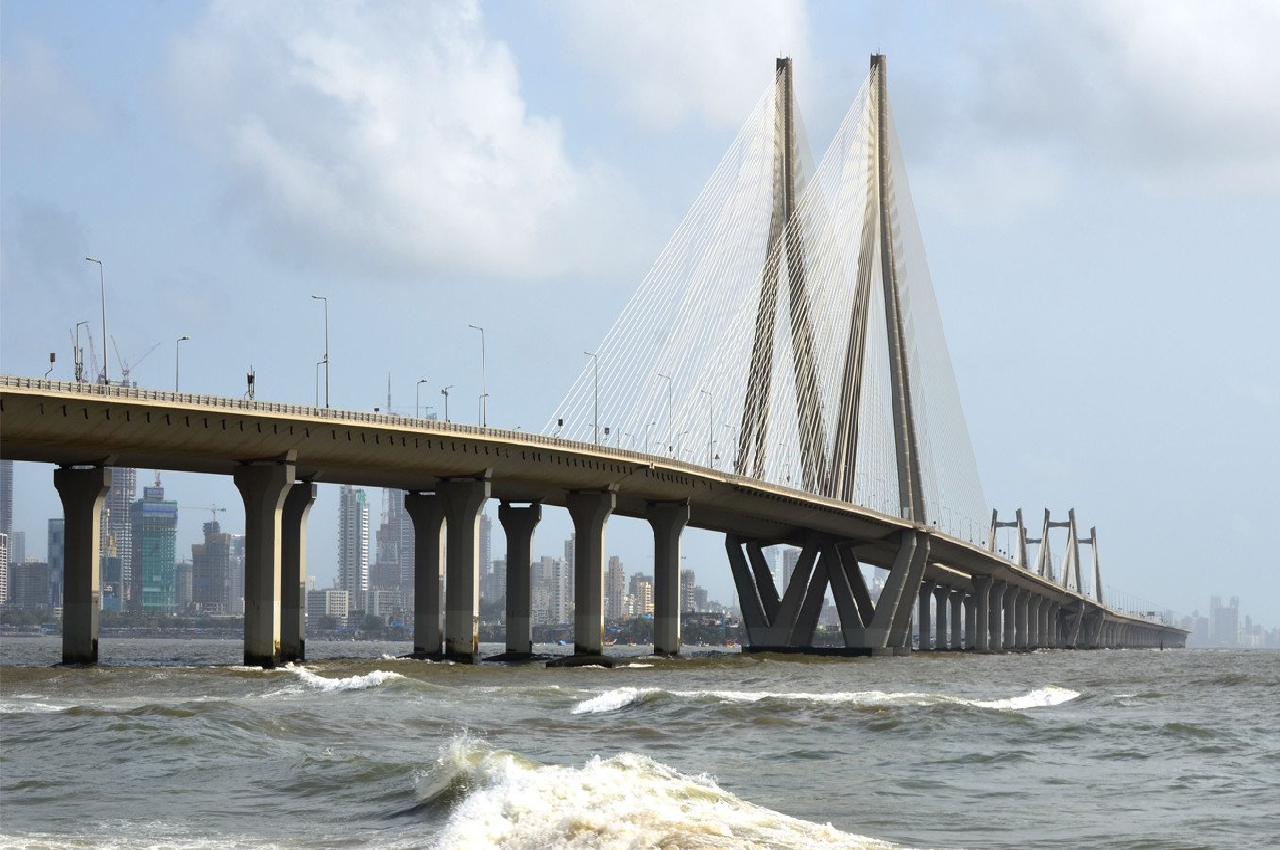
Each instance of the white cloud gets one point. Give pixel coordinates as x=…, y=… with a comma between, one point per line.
x=671, y=61
x=389, y=138
x=38, y=95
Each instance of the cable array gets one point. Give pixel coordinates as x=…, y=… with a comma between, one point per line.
x=757, y=343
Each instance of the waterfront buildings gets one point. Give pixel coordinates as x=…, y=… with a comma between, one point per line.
x=211, y=589
x=152, y=568
x=353, y=542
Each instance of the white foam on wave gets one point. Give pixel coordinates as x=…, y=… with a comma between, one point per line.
x=628, y=801
x=617, y=698
x=30, y=708
x=350, y=683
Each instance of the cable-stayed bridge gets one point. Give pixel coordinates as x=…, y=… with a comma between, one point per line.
x=781, y=376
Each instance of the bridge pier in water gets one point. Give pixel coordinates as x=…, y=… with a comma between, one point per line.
x=82, y=492
x=590, y=511
x=668, y=520
x=518, y=523
x=426, y=511
x=263, y=487
x=293, y=570
x=463, y=499
x=941, y=596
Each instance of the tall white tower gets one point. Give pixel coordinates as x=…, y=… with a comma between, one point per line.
x=353, y=544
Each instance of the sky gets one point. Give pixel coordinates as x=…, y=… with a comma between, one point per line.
x=1097, y=184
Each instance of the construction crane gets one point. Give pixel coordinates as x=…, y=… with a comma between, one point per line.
x=212, y=509
x=98, y=377
x=125, y=367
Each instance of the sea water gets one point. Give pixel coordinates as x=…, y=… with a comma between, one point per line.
x=172, y=744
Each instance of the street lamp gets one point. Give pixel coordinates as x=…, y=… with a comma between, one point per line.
x=102, y=284
x=416, y=391
x=671, y=428
x=711, y=428
x=79, y=353
x=445, y=392
x=319, y=363
x=484, y=391
x=176, y=361
x=595, y=390
x=326, y=346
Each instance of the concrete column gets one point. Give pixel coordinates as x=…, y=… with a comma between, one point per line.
x=668, y=520
x=263, y=488
x=1033, y=621
x=957, y=626
x=983, y=588
x=464, y=499
x=427, y=512
x=997, y=615
x=590, y=512
x=1045, y=638
x=971, y=619
x=518, y=524
x=82, y=492
x=1020, y=613
x=941, y=596
x=923, y=623
x=1010, y=640
x=1055, y=624
x=293, y=570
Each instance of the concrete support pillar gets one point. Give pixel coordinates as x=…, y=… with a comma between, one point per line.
x=1045, y=638
x=1055, y=625
x=590, y=511
x=997, y=615
x=82, y=492
x=983, y=592
x=1021, y=614
x=518, y=523
x=1033, y=621
x=668, y=520
x=956, y=601
x=923, y=621
x=293, y=570
x=941, y=600
x=1010, y=639
x=971, y=619
x=427, y=512
x=263, y=489
x=464, y=499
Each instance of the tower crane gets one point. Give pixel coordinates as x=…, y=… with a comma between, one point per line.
x=125, y=367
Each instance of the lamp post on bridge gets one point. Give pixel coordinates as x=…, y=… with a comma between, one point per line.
x=326, y=346
x=671, y=428
x=711, y=428
x=176, y=361
x=595, y=391
x=417, y=391
x=102, y=285
x=484, y=392
x=445, y=392
x=78, y=354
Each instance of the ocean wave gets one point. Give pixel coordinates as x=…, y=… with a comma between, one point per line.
x=502, y=800
x=349, y=683
x=618, y=698
x=30, y=708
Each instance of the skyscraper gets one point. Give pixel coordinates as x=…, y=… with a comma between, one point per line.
x=6, y=497
x=154, y=531
x=4, y=569
x=56, y=553
x=687, y=582
x=395, y=541
x=116, y=539
x=211, y=571
x=615, y=589
x=486, y=539
x=17, y=546
x=790, y=556
x=353, y=543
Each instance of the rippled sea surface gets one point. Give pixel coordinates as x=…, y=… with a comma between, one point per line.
x=170, y=744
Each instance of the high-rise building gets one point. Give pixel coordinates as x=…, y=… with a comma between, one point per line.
x=615, y=589
x=6, y=497
x=353, y=543
x=327, y=603
x=152, y=571
x=235, y=604
x=552, y=586
x=687, y=583
x=395, y=541
x=641, y=596
x=211, y=571
x=183, y=574
x=17, y=546
x=4, y=569
x=498, y=580
x=116, y=530
x=700, y=600
x=56, y=557
x=29, y=585
x=1224, y=622
x=790, y=556
x=486, y=541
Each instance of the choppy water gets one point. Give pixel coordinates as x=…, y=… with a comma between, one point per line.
x=1128, y=749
